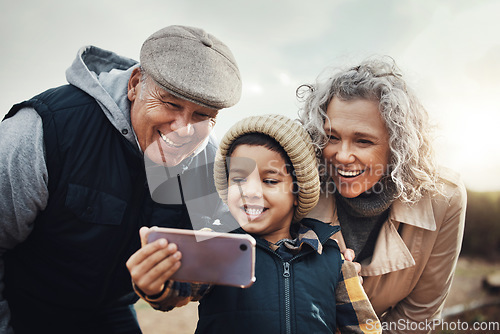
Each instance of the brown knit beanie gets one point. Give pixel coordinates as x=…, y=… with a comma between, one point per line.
x=297, y=144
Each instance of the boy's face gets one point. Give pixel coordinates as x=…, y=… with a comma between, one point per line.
x=260, y=194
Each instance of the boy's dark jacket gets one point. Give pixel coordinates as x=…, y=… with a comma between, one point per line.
x=288, y=297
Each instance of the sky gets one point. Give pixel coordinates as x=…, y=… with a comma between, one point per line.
x=448, y=50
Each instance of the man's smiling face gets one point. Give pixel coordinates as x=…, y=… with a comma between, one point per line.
x=168, y=128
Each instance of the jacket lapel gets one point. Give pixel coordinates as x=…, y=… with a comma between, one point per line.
x=390, y=253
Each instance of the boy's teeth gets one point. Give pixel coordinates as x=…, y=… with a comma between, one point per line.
x=253, y=212
x=349, y=173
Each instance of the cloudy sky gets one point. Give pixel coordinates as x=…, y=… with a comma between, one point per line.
x=449, y=51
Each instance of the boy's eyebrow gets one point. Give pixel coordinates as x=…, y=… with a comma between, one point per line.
x=273, y=171
x=239, y=170
x=265, y=171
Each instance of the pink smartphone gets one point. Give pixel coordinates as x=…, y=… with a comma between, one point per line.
x=211, y=257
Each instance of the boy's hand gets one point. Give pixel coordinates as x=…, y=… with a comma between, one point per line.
x=152, y=265
x=349, y=256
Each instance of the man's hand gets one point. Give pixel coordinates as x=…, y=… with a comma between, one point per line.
x=349, y=256
x=152, y=265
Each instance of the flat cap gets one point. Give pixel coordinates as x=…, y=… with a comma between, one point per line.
x=193, y=65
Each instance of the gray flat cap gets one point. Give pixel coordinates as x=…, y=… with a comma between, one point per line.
x=193, y=65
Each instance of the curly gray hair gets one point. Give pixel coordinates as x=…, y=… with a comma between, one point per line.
x=412, y=166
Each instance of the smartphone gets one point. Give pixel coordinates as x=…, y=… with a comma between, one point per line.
x=211, y=257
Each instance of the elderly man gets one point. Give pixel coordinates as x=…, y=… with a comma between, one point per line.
x=74, y=182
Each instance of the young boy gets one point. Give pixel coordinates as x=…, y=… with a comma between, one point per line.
x=268, y=177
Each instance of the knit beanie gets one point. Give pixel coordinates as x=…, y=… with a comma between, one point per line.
x=295, y=141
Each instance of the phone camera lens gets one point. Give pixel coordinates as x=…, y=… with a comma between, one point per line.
x=243, y=247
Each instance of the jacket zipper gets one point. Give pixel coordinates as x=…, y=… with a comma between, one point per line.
x=286, y=275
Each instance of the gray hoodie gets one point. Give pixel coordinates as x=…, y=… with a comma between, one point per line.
x=23, y=173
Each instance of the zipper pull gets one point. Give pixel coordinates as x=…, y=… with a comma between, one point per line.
x=286, y=267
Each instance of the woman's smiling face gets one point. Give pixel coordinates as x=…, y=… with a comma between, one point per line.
x=357, y=154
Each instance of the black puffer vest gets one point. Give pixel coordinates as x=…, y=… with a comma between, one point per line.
x=73, y=263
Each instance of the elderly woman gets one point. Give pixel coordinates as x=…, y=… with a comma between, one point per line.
x=402, y=216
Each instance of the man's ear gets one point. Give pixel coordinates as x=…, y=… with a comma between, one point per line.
x=134, y=84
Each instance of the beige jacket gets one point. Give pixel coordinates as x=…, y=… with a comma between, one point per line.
x=409, y=275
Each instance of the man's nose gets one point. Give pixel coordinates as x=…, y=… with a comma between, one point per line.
x=183, y=125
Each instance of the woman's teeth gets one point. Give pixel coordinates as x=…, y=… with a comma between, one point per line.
x=344, y=173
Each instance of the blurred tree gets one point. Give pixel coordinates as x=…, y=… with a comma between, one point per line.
x=482, y=225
